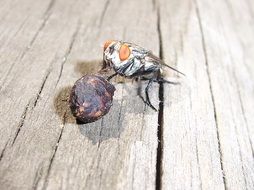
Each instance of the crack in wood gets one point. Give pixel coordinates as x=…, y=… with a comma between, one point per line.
x=45, y=19
x=41, y=88
x=159, y=157
x=3, y=151
x=238, y=86
x=24, y=114
x=101, y=128
x=104, y=12
x=211, y=91
x=65, y=57
x=37, y=177
x=243, y=113
x=23, y=117
x=21, y=123
x=54, y=153
x=49, y=8
x=236, y=131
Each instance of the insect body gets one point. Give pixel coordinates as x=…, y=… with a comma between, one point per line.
x=130, y=60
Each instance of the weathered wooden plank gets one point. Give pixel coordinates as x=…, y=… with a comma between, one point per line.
x=49, y=150
x=215, y=150
x=237, y=150
x=191, y=158
x=18, y=28
x=243, y=49
x=206, y=133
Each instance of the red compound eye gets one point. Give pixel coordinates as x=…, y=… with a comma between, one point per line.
x=124, y=52
x=107, y=43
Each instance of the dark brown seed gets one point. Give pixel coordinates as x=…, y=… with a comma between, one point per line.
x=91, y=98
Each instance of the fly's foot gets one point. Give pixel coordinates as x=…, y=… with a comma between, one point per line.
x=150, y=105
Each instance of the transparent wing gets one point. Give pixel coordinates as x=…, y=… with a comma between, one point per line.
x=137, y=49
x=156, y=60
x=142, y=53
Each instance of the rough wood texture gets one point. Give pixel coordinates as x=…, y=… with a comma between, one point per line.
x=202, y=137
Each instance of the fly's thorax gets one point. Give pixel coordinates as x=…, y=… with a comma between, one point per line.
x=116, y=63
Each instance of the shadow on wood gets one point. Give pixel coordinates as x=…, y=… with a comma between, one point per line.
x=61, y=104
x=110, y=126
x=88, y=67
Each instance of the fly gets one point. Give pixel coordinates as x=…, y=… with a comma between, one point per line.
x=130, y=60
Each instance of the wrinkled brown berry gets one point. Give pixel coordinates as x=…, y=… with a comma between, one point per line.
x=91, y=98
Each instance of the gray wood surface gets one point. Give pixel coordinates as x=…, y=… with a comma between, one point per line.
x=202, y=137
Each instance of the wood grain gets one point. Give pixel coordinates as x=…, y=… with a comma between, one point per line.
x=210, y=147
x=202, y=136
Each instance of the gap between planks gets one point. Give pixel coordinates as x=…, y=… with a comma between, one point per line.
x=158, y=183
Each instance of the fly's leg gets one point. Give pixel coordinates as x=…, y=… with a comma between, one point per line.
x=111, y=76
x=147, y=101
x=158, y=80
x=162, y=80
x=139, y=90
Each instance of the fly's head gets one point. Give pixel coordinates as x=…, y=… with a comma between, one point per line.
x=116, y=53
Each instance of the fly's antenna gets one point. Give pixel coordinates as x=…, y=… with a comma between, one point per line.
x=173, y=69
